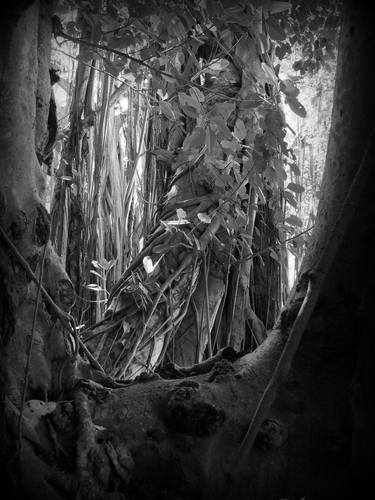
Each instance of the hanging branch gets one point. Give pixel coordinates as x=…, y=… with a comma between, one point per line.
x=30, y=348
x=66, y=319
x=58, y=31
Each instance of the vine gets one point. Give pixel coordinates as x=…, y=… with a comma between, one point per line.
x=210, y=78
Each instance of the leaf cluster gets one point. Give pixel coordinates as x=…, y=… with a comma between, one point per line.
x=211, y=74
x=312, y=27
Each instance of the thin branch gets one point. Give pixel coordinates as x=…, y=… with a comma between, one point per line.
x=30, y=348
x=67, y=320
x=270, y=247
x=62, y=34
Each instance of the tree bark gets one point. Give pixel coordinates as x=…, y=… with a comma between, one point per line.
x=32, y=350
x=156, y=438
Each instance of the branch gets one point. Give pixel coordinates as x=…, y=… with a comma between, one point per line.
x=172, y=370
x=67, y=320
x=28, y=357
x=266, y=249
x=62, y=34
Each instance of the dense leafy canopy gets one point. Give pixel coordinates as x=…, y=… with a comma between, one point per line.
x=205, y=74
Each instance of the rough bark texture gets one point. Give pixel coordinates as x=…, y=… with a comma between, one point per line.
x=24, y=221
x=179, y=438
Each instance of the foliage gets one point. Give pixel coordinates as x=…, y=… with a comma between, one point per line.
x=308, y=137
x=204, y=75
x=312, y=26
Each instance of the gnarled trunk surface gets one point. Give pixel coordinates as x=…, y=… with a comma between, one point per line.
x=179, y=438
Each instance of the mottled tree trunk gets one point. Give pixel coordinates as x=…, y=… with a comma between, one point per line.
x=32, y=342
x=180, y=438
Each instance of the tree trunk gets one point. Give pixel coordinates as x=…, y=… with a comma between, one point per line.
x=33, y=344
x=180, y=438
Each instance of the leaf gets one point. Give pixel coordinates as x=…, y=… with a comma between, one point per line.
x=176, y=28
x=148, y=264
x=190, y=111
x=275, y=31
x=194, y=92
x=275, y=122
x=290, y=198
x=168, y=78
x=296, y=106
x=240, y=130
x=251, y=102
x=163, y=154
x=181, y=214
x=274, y=255
x=298, y=241
x=112, y=67
x=188, y=101
x=167, y=110
x=288, y=88
x=276, y=7
x=262, y=199
x=96, y=274
x=204, y=218
x=231, y=145
x=297, y=188
x=146, y=53
x=179, y=60
x=123, y=42
x=294, y=168
x=293, y=220
x=211, y=140
x=163, y=95
x=95, y=288
x=229, y=224
x=130, y=77
x=282, y=49
x=106, y=264
x=270, y=74
x=218, y=65
x=172, y=192
x=270, y=174
x=221, y=127
x=195, y=140
x=168, y=223
x=222, y=110
x=280, y=172
x=259, y=257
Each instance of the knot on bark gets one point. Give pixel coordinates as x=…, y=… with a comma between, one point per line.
x=188, y=413
x=271, y=435
x=63, y=418
x=220, y=371
x=42, y=224
x=66, y=294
